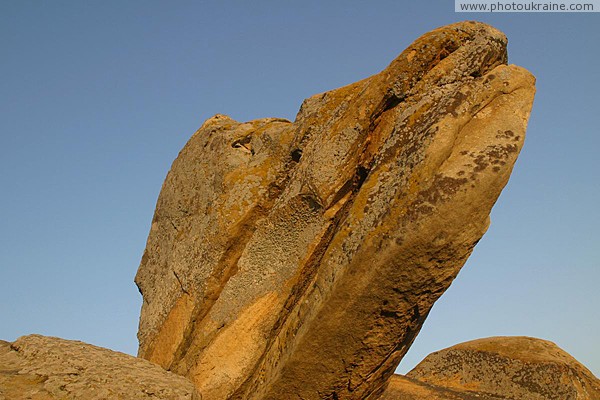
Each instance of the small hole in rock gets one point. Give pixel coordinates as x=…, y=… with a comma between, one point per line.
x=360, y=176
x=296, y=155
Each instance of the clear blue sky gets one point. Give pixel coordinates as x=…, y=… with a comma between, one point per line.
x=97, y=98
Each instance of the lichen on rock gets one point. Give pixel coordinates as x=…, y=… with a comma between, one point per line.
x=497, y=368
x=301, y=259
x=38, y=367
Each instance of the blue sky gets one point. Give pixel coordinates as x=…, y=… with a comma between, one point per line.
x=98, y=97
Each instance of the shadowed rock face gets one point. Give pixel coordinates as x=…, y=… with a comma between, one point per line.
x=46, y=368
x=299, y=260
x=497, y=368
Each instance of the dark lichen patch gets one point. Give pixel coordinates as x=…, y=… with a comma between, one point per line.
x=458, y=99
x=502, y=152
x=442, y=188
x=497, y=156
x=423, y=209
x=481, y=163
x=504, y=134
x=448, y=185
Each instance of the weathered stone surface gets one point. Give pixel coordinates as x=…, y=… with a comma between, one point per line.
x=497, y=368
x=46, y=368
x=299, y=260
x=404, y=388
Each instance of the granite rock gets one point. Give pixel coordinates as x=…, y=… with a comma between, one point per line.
x=404, y=388
x=511, y=368
x=46, y=368
x=300, y=260
x=507, y=368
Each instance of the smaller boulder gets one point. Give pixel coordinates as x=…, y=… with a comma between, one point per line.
x=46, y=368
x=497, y=368
x=403, y=388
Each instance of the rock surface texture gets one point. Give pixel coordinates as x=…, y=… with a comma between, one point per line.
x=46, y=368
x=404, y=388
x=299, y=260
x=497, y=368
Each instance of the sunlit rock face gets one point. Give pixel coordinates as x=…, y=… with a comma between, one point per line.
x=497, y=368
x=298, y=260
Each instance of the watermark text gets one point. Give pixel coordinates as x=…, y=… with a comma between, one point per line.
x=495, y=6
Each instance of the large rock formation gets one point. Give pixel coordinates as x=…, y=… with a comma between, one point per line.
x=497, y=368
x=46, y=368
x=299, y=260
